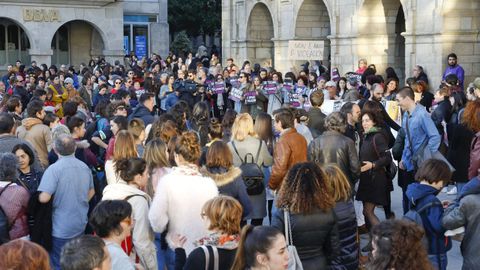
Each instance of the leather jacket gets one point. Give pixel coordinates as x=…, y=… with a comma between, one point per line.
x=291, y=148
x=332, y=147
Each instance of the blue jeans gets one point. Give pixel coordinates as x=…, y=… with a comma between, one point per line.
x=57, y=245
x=238, y=106
x=165, y=257
x=436, y=259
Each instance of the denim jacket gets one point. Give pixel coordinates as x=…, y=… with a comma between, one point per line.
x=421, y=128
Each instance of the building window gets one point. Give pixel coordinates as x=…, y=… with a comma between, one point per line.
x=14, y=43
x=136, y=34
x=60, y=46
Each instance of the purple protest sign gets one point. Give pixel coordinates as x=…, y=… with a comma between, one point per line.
x=218, y=88
x=270, y=87
x=251, y=97
x=236, y=94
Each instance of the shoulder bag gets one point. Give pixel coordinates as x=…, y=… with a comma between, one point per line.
x=424, y=153
x=207, y=257
x=390, y=169
x=294, y=262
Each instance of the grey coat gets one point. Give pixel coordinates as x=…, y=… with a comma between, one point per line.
x=250, y=145
x=466, y=212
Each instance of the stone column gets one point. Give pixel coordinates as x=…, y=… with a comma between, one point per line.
x=159, y=31
x=112, y=55
x=342, y=51
x=282, y=63
x=41, y=56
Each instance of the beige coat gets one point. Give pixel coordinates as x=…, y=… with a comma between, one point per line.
x=39, y=135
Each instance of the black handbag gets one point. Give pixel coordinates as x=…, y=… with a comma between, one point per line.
x=391, y=169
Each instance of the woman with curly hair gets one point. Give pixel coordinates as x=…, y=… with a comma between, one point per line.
x=397, y=244
x=305, y=194
x=471, y=118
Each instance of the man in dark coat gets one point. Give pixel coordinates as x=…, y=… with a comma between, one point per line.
x=144, y=109
x=316, y=118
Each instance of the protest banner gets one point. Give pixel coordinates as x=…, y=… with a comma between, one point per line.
x=305, y=49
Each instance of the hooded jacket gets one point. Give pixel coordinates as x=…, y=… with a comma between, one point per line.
x=142, y=235
x=465, y=211
x=230, y=182
x=39, y=135
x=143, y=113
x=419, y=195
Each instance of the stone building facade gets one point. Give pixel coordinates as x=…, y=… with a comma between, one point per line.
x=71, y=32
x=396, y=33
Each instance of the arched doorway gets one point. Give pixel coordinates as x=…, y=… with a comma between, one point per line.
x=259, y=36
x=14, y=43
x=76, y=42
x=380, y=25
x=313, y=23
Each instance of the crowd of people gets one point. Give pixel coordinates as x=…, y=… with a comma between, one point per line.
x=173, y=164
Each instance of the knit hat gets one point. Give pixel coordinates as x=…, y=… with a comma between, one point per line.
x=68, y=80
x=476, y=83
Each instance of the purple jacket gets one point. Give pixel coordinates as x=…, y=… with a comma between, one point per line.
x=457, y=70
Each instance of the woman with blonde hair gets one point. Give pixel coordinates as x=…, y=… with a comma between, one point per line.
x=339, y=188
x=223, y=215
x=156, y=155
x=124, y=149
x=245, y=145
x=158, y=165
x=181, y=193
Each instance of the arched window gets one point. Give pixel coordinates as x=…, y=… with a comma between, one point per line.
x=14, y=43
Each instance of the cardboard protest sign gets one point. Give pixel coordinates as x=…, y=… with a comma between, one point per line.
x=236, y=94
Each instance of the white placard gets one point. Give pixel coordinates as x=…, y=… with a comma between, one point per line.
x=305, y=49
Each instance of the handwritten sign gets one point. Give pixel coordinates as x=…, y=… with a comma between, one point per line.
x=236, y=94
x=270, y=87
x=218, y=88
x=305, y=49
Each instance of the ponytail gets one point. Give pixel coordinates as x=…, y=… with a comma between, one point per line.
x=253, y=240
x=240, y=261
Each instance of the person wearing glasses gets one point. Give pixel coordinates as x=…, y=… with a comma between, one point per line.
x=117, y=86
x=134, y=173
x=112, y=221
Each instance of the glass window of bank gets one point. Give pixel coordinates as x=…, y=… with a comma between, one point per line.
x=136, y=34
x=14, y=43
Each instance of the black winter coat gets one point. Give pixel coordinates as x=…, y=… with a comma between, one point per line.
x=347, y=231
x=196, y=259
x=316, y=121
x=314, y=235
x=332, y=147
x=143, y=113
x=374, y=185
x=442, y=112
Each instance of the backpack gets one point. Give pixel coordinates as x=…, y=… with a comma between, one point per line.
x=414, y=215
x=4, y=224
x=252, y=174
